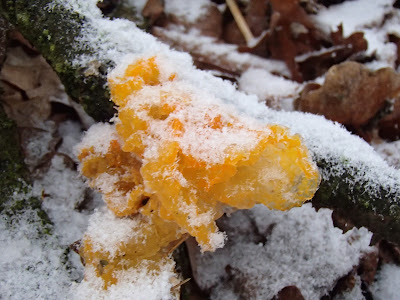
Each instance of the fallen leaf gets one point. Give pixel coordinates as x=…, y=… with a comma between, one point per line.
x=292, y=33
x=389, y=126
x=289, y=293
x=316, y=64
x=154, y=12
x=351, y=95
x=393, y=38
x=208, y=23
x=368, y=266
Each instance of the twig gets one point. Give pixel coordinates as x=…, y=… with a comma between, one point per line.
x=178, y=242
x=180, y=284
x=240, y=21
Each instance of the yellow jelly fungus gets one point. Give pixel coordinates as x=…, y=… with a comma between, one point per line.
x=180, y=162
x=151, y=240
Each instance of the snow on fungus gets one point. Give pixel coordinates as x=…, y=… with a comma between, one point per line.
x=113, y=245
x=180, y=157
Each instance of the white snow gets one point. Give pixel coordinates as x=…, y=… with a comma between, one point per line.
x=71, y=133
x=390, y=152
x=135, y=283
x=366, y=16
x=63, y=189
x=386, y=286
x=188, y=10
x=270, y=88
x=32, y=263
x=354, y=15
x=304, y=249
x=99, y=137
x=107, y=232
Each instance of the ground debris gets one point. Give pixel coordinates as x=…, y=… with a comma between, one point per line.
x=348, y=87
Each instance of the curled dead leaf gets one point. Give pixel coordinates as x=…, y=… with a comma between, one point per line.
x=351, y=95
x=289, y=293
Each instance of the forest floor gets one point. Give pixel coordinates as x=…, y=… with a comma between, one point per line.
x=294, y=61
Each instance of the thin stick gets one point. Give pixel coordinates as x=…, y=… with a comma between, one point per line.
x=178, y=242
x=180, y=284
x=240, y=21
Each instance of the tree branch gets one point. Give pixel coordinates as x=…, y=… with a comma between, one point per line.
x=53, y=33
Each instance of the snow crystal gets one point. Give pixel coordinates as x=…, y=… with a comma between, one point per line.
x=71, y=133
x=369, y=13
x=269, y=87
x=107, y=232
x=390, y=152
x=188, y=10
x=303, y=249
x=62, y=189
x=99, y=137
x=135, y=283
x=387, y=284
x=32, y=264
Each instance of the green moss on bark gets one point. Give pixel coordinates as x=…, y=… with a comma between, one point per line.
x=53, y=32
x=376, y=209
x=13, y=174
x=15, y=198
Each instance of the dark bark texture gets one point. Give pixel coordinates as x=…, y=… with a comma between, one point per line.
x=354, y=200
x=53, y=33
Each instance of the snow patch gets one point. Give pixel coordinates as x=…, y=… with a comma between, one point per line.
x=386, y=286
x=303, y=249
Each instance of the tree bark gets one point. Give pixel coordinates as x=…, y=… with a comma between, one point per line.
x=377, y=209
x=15, y=188
x=53, y=34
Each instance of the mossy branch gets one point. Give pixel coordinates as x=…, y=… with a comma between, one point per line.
x=360, y=201
x=53, y=33
x=13, y=173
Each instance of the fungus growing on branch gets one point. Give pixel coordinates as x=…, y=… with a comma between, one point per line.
x=177, y=158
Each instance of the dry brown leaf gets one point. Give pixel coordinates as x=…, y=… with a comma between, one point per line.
x=154, y=12
x=292, y=33
x=344, y=284
x=208, y=24
x=315, y=65
x=289, y=293
x=393, y=38
x=389, y=252
x=389, y=126
x=29, y=85
x=351, y=95
x=368, y=266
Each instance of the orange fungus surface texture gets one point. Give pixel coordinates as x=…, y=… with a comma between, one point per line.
x=178, y=157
